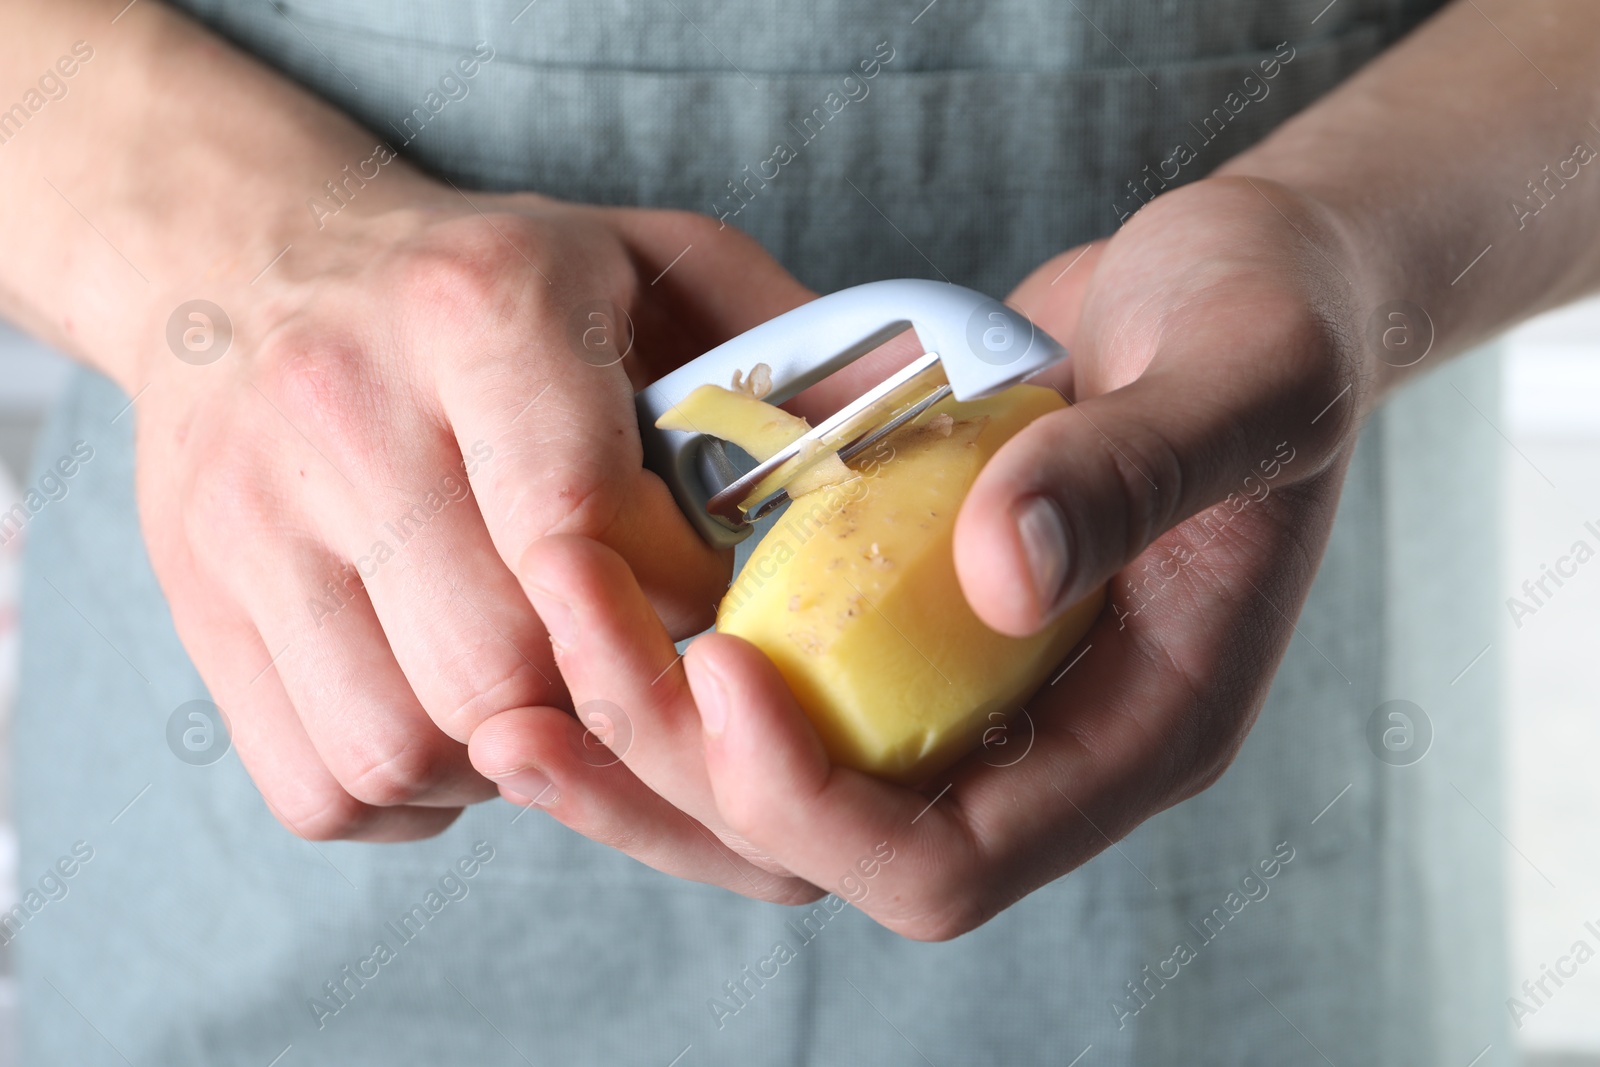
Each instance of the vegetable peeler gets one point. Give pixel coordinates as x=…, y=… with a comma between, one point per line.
x=974, y=345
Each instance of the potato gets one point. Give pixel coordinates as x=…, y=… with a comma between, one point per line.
x=761, y=429
x=853, y=593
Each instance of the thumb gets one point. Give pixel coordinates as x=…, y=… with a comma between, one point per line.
x=1208, y=423
x=1052, y=296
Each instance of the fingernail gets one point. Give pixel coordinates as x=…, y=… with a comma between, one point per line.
x=711, y=697
x=532, y=783
x=1044, y=543
x=556, y=616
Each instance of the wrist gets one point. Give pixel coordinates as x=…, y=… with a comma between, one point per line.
x=179, y=170
x=253, y=264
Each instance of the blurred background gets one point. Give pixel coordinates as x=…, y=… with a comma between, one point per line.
x=30, y=378
x=1551, y=422
x=1552, y=476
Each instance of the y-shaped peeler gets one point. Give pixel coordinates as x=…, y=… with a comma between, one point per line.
x=975, y=347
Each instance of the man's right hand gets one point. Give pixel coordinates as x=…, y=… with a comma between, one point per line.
x=305, y=498
x=351, y=607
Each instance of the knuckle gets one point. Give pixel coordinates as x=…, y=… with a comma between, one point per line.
x=484, y=691
x=754, y=854
x=674, y=222
x=580, y=498
x=389, y=778
x=692, y=225
x=1206, y=776
x=790, y=892
x=742, y=816
x=1149, y=510
x=945, y=900
x=324, y=387
x=584, y=503
x=1335, y=367
x=1141, y=478
x=1205, y=736
x=481, y=270
x=328, y=814
x=1208, y=760
x=229, y=506
x=227, y=488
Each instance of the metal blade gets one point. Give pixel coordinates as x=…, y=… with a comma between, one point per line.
x=889, y=404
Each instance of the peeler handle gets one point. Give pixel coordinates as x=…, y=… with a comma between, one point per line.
x=983, y=347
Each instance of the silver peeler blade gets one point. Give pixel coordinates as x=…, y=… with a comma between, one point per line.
x=880, y=410
x=983, y=346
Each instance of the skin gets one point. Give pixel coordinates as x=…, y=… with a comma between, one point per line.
x=1223, y=321
x=417, y=326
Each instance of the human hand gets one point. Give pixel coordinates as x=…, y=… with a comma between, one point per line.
x=305, y=499
x=1212, y=366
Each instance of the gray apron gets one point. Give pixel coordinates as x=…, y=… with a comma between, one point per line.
x=997, y=135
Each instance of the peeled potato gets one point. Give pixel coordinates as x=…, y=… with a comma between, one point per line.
x=761, y=429
x=853, y=593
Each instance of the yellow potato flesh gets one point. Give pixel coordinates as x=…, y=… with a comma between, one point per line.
x=853, y=595
x=761, y=429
